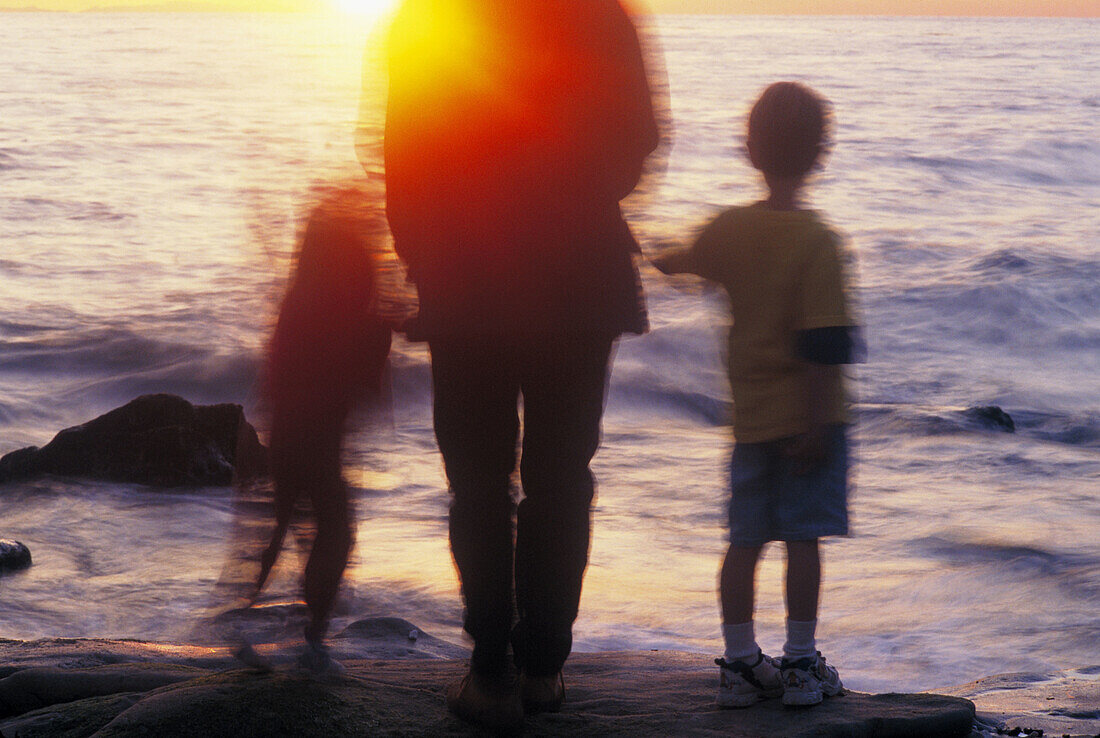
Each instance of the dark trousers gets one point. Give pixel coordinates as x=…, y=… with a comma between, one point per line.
x=477, y=385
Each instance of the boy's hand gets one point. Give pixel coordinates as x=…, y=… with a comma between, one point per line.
x=808, y=450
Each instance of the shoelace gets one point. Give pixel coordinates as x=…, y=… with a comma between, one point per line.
x=744, y=670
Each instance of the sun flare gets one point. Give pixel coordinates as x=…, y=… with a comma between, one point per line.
x=369, y=8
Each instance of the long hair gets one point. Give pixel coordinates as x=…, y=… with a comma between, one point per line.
x=329, y=337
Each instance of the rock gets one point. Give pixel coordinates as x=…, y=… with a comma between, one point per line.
x=391, y=638
x=1061, y=702
x=86, y=653
x=992, y=417
x=76, y=720
x=31, y=689
x=160, y=440
x=628, y=694
x=13, y=555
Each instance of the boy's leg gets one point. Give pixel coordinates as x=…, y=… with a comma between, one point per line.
x=810, y=504
x=752, y=472
x=803, y=589
x=736, y=588
x=746, y=674
x=806, y=676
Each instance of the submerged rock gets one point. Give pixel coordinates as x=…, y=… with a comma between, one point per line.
x=13, y=555
x=160, y=440
x=992, y=417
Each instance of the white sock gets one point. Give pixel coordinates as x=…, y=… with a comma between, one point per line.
x=740, y=642
x=800, y=640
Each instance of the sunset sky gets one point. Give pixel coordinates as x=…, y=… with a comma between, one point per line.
x=1072, y=8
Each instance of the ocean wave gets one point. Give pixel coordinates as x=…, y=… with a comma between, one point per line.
x=8, y=412
x=8, y=160
x=89, y=350
x=1048, y=163
x=1054, y=268
x=1014, y=299
x=18, y=327
x=915, y=421
x=665, y=401
x=34, y=208
x=1063, y=161
x=1081, y=431
x=203, y=378
x=1003, y=260
x=1073, y=571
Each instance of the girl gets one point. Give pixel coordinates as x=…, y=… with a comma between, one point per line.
x=328, y=352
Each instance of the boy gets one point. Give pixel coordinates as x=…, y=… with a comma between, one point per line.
x=783, y=270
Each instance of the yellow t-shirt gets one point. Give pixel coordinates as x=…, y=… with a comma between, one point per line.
x=784, y=272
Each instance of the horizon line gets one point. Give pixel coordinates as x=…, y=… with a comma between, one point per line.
x=190, y=7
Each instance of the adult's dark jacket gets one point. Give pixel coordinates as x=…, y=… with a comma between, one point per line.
x=513, y=130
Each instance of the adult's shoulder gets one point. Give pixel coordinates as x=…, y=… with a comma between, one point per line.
x=608, y=19
x=606, y=8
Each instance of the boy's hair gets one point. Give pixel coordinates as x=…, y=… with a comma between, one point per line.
x=789, y=127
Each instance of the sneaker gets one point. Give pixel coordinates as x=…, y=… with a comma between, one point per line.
x=542, y=693
x=807, y=681
x=319, y=664
x=742, y=683
x=486, y=700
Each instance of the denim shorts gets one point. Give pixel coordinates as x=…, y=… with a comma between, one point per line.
x=770, y=502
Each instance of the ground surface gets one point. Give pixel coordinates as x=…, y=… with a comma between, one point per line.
x=632, y=693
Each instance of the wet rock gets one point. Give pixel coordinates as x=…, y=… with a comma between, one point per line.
x=13, y=555
x=1058, y=703
x=391, y=638
x=992, y=417
x=160, y=440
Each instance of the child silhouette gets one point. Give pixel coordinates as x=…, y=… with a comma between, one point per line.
x=328, y=352
x=784, y=271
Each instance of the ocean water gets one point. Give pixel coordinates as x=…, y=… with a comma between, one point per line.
x=156, y=169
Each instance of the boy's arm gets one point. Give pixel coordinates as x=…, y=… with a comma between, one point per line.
x=704, y=257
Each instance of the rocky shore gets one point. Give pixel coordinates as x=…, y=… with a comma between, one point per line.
x=396, y=677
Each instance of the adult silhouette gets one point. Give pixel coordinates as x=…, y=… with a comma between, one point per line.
x=513, y=130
